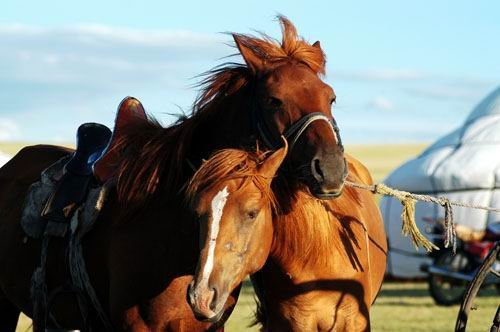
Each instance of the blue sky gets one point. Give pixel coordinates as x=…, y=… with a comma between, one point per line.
x=403, y=71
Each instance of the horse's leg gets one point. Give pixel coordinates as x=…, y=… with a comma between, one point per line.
x=9, y=315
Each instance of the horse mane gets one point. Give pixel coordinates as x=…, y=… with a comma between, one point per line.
x=303, y=235
x=292, y=46
x=230, y=164
x=150, y=153
x=310, y=226
x=154, y=157
x=230, y=77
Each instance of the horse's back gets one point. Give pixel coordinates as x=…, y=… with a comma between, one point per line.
x=15, y=253
x=24, y=169
x=28, y=163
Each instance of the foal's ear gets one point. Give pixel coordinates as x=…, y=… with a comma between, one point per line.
x=273, y=162
x=252, y=59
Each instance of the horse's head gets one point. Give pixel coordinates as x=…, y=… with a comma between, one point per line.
x=231, y=194
x=290, y=99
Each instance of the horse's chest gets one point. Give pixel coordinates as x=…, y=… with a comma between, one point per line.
x=337, y=312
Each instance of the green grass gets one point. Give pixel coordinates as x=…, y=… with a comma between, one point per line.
x=400, y=306
x=408, y=307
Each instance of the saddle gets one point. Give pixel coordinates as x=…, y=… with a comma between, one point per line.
x=93, y=163
x=129, y=110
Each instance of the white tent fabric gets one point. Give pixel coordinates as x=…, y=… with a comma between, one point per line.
x=4, y=158
x=463, y=166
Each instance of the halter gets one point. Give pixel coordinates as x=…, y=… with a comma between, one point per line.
x=293, y=133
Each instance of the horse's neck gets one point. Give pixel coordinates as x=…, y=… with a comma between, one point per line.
x=318, y=237
x=229, y=128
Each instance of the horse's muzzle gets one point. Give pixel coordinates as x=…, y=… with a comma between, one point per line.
x=203, y=302
x=328, y=194
x=328, y=180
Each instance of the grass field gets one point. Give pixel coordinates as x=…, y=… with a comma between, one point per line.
x=400, y=306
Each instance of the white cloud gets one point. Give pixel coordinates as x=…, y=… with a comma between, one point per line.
x=9, y=130
x=82, y=53
x=381, y=104
x=95, y=34
x=53, y=79
x=174, y=38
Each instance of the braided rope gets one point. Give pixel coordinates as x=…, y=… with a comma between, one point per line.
x=408, y=200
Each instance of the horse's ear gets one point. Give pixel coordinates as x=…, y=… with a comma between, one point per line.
x=253, y=61
x=270, y=166
x=317, y=44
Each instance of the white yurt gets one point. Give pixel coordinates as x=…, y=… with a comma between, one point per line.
x=463, y=166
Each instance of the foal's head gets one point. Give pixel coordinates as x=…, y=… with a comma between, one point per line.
x=231, y=195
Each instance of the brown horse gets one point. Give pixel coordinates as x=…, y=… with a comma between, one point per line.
x=143, y=251
x=326, y=262
x=231, y=194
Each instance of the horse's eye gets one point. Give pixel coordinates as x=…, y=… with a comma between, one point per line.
x=333, y=101
x=251, y=215
x=274, y=102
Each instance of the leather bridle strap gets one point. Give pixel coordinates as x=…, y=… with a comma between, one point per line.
x=293, y=133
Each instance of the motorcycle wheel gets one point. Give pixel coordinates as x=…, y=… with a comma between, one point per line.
x=447, y=290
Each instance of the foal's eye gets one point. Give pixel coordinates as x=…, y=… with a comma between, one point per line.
x=274, y=102
x=251, y=215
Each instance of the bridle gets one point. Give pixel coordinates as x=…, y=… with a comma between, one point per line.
x=293, y=133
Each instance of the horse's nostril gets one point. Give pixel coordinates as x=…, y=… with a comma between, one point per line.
x=317, y=170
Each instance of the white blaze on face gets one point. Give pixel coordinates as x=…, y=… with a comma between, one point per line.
x=218, y=203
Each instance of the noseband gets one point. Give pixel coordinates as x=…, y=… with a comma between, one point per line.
x=293, y=133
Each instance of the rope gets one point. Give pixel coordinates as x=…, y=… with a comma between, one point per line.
x=408, y=200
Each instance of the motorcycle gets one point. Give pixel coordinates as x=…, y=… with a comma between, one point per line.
x=450, y=274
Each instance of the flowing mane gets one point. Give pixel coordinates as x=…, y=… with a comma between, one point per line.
x=309, y=225
x=230, y=77
x=229, y=164
x=154, y=158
